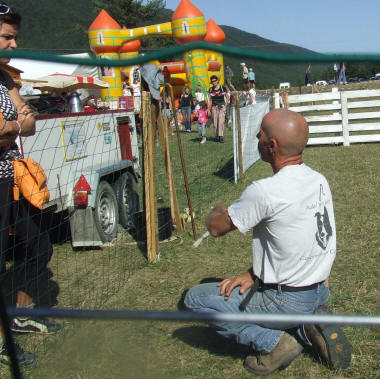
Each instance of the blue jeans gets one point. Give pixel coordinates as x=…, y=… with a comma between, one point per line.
x=186, y=112
x=262, y=338
x=342, y=77
x=201, y=130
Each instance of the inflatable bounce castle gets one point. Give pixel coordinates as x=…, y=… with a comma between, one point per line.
x=110, y=41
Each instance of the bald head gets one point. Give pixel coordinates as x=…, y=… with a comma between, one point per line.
x=288, y=128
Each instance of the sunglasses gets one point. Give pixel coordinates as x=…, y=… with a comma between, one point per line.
x=4, y=9
x=213, y=81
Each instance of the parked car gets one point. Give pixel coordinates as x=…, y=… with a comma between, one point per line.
x=332, y=81
x=321, y=83
x=285, y=85
x=352, y=80
x=361, y=80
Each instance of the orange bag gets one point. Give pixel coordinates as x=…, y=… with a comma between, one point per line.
x=30, y=179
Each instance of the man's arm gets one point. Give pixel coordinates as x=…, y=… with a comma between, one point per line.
x=25, y=114
x=218, y=222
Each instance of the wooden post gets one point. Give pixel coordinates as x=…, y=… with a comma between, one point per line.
x=272, y=92
x=149, y=185
x=240, y=150
x=276, y=100
x=344, y=105
x=163, y=135
x=183, y=164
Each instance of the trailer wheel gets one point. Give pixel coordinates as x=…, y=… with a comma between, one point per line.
x=128, y=199
x=106, y=213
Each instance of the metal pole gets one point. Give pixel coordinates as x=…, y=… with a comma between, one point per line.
x=254, y=318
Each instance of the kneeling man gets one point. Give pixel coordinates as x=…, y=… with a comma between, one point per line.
x=294, y=246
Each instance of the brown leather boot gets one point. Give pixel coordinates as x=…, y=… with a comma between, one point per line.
x=280, y=357
x=329, y=343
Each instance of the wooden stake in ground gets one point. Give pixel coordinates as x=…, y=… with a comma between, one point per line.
x=183, y=164
x=240, y=150
x=149, y=185
x=163, y=135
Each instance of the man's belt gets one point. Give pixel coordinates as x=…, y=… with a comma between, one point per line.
x=259, y=285
x=286, y=288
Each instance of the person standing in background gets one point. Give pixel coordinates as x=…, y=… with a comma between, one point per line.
x=166, y=73
x=342, y=74
x=308, y=80
x=218, y=97
x=245, y=76
x=251, y=97
x=136, y=91
x=251, y=77
x=202, y=115
x=336, y=68
x=185, y=103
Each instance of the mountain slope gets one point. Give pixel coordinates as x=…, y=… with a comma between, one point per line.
x=268, y=74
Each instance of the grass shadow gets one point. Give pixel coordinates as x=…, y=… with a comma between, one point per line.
x=204, y=337
x=227, y=171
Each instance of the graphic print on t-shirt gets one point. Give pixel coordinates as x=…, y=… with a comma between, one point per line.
x=324, y=230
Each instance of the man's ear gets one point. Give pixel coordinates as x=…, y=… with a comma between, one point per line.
x=273, y=145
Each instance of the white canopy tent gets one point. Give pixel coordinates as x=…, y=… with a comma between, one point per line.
x=33, y=70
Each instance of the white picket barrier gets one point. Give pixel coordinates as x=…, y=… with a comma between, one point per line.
x=339, y=113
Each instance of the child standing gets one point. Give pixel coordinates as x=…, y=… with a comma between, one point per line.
x=202, y=120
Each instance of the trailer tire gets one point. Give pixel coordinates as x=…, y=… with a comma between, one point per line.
x=127, y=198
x=106, y=212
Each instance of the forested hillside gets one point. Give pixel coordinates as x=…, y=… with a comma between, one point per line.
x=61, y=27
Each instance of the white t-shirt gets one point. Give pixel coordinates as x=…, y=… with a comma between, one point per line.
x=199, y=96
x=252, y=93
x=136, y=89
x=294, y=236
x=245, y=72
x=126, y=92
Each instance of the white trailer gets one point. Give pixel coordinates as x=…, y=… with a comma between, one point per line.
x=92, y=164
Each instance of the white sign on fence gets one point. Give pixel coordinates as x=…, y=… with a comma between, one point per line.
x=250, y=119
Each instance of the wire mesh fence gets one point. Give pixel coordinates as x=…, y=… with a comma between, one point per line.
x=93, y=276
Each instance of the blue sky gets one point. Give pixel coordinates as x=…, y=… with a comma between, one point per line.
x=331, y=26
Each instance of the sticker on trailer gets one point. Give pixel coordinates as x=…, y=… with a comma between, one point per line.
x=107, y=139
x=106, y=126
x=73, y=139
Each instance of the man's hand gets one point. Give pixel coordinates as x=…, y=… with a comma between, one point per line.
x=245, y=281
x=218, y=222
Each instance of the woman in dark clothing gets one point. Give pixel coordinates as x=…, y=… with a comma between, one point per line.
x=16, y=119
x=218, y=97
x=185, y=103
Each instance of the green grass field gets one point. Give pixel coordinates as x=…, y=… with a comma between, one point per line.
x=118, y=277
